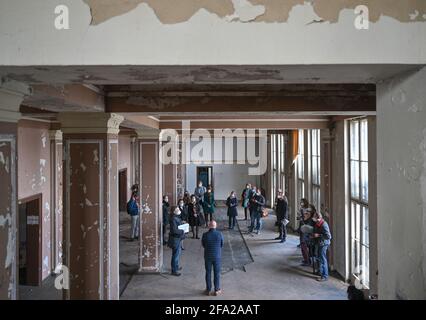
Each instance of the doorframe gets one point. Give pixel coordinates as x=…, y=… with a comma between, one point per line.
x=38, y=197
x=119, y=186
x=196, y=176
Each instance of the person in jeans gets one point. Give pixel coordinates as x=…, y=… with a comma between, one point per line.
x=199, y=192
x=212, y=242
x=175, y=241
x=133, y=209
x=282, y=215
x=322, y=236
x=258, y=202
x=232, y=213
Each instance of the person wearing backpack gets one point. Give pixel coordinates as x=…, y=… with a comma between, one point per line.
x=133, y=210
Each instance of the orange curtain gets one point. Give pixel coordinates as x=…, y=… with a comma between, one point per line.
x=295, y=143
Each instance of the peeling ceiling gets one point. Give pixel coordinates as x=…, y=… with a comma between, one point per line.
x=206, y=75
x=168, y=12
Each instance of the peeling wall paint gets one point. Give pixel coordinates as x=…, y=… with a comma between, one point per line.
x=84, y=216
x=7, y=218
x=401, y=169
x=34, y=177
x=257, y=10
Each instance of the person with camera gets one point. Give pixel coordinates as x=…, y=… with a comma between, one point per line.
x=176, y=236
x=257, y=204
x=281, y=210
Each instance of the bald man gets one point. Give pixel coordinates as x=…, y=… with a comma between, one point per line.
x=212, y=242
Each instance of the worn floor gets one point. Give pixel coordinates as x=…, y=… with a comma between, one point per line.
x=254, y=267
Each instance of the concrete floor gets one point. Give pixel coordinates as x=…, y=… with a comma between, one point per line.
x=273, y=273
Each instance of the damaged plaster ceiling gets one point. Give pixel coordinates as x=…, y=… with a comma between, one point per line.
x=206, y=75
x=257, y=10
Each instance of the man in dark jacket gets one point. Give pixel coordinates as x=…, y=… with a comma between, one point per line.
x=166, y=208
x=257, y=202
x=322, y=237
x=212, y=242
x=282, y=215
x=176, y=236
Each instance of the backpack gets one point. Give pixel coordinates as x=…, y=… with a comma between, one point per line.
x=129, y=206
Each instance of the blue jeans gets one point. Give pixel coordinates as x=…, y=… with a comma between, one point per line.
x=255, y=221
x=177, y=250
x=232, y=222
x=323, y=263
x=216, y=264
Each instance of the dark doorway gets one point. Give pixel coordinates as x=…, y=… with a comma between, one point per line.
x=122, y=189
x=205, y=174
x=30, y=224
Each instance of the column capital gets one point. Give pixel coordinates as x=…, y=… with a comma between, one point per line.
x=12, y=93
x=90, y=122
x=148, y=134
x=55, y=135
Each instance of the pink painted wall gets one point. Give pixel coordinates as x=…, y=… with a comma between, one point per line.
x=34, y=176
x=124, y=159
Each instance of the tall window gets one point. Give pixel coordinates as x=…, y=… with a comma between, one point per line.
x=315, y=160
x=282, y=162
x=358, y=145
x=301, y=166
x=274, y=166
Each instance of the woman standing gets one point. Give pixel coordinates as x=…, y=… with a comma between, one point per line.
x=166, y=213
x=186, y=198
x=245, y=199
x=183, y=208
x=195, y=217
x=303, y=206
x=209, y=205
x=232, y=204
x=306, y=227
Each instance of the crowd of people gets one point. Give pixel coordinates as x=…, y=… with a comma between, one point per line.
x=198, y=211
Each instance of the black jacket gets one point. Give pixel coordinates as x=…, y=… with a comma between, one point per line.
x=184, y=212
x=281, y=209
x=166, y=207
x=232, y=204
x=175, y=232
x=192, y=211
x=258, y=202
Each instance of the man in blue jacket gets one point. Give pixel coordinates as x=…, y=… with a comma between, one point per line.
x=212, y=242
x=133, y=210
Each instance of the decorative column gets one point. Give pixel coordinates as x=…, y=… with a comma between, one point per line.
x=91, y=213
x=180, y=172
x=150, y=169
x=11, y=96
x=56, y=187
